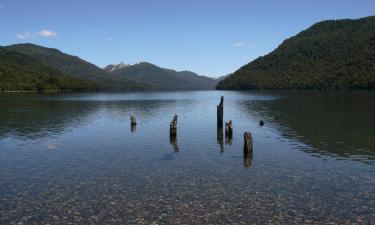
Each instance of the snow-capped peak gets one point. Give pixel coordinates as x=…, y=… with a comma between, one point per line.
x=113, y=67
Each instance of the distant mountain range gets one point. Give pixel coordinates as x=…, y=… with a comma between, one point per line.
x=113, y=67
x=160, y=78
x=19, y=72
x=29, y=67
x=332, y=54
x=73, y=66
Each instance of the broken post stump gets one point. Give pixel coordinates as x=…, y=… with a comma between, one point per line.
x=229, y=130
x=220, y=112
x=173, y=141
x=133, y=120
x=173, y=127
x=247, y=159
x=248, y=142
x=133, y=128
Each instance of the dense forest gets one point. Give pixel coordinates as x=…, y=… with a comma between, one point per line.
x=30, y=67
x=19, y=72
x=74, y=66
x=336, y=54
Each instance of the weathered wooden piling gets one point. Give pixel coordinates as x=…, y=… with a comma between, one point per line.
x=248, y=142
x=133, y=120
x=247, y=159
x=228, y=141
x=173, y=141
x=220, y=138
x=228, y=133
x=229, y=129
x=173, y=126
x=220, y=112
x=133, y=128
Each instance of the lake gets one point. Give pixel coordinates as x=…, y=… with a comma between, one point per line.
x=74, y=158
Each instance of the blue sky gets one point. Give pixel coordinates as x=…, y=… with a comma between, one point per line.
x=209, y=37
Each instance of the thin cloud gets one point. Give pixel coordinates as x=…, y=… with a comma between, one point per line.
x=46, y=34
x=239, y=44
x=42, y=33
x=244, y=44
x=23, y=35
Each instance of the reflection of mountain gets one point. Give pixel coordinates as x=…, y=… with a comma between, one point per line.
x=145, y=109
x=337, y=123
x=35, y=117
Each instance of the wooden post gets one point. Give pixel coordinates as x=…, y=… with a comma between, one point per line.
x=248, y=142
x=133, y=120
x=173, y=141
x=220, y=112
x=133, y=128
x=228, y=132
x=247, y=159
x=173, y=127
x=220, y=139
x=133, y=123
x=229, y=129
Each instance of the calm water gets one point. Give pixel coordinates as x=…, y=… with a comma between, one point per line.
x=75, y=158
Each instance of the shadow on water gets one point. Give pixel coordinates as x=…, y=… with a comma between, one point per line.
x=340, y=124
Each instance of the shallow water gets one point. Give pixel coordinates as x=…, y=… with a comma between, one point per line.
x=74, y=158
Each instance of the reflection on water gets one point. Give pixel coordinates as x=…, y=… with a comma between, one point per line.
x=73, y=159
x=339, y=124
x=35, y=119
x=220, y=138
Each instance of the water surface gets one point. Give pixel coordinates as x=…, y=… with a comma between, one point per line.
x=74, y=158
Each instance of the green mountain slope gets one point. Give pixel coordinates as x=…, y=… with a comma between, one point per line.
x=75, y=66
x=164, y=79
x=329, y=55
x=19, y=72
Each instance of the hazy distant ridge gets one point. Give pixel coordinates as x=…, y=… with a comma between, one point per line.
x=162, y=79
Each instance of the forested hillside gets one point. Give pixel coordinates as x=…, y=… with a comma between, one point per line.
x=333, y=54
